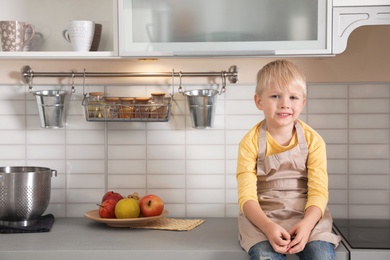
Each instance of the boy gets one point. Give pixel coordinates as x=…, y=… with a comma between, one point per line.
x=282, y=176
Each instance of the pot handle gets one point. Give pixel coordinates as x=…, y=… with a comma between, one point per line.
x=1, y=177
x=53, y=173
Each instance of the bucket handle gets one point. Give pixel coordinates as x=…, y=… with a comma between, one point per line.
x=31, y=83
x=223, y=88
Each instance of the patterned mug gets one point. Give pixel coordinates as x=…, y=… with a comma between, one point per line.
x=13, y=35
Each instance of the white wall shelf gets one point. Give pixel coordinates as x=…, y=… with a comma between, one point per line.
x=49, y=19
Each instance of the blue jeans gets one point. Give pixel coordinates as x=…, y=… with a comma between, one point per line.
x=318, y=250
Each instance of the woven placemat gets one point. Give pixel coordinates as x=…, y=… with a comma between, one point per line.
x=173, y=224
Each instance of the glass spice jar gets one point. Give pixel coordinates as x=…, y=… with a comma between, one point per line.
x=126, y=109
x=111, y=107
x=157, y=108
x=95, y=104
x=142, y=107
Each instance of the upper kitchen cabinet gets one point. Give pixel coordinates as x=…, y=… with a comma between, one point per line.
x=50, y=18
x=351, y=14
x=169, y=28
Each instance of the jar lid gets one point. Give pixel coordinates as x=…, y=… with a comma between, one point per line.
x=96, y=93
x=112, y=99
x=126, y=98
x=142, y=99
x=157, y=94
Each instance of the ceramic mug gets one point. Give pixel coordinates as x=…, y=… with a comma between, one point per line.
x=13, y=35
x=80, y=35
x=96, y=37
x=36, y=41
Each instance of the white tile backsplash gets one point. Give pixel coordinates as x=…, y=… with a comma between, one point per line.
x=166, y=137
x=12, y=137
x=166, y=166
x=328, y=121
x=167, y=152
x=205, y=166
x=328, y=106
x=368, y=166
x=44, y=137
x=128, y=181
x=369, y=151
x=369, y=136
x=85, y=181
x=205, y=196
x=13, y=122
x=357, y=121
x=86, y=166
x=207, y=181
x=328, y=91
x=166, y=181
x=369, y=181
x=369, y=106
x=88, y=152
x=85, y=137
x=126, y=166
x=194, y=170
x=369, y=91
x=206, y=210
x=14, y=107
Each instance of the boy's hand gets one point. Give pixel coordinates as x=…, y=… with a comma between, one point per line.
x=278, y=237
x=299, y=233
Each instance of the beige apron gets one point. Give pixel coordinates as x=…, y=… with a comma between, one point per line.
x=282, y=192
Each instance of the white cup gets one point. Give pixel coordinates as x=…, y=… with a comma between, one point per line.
x=80, y=34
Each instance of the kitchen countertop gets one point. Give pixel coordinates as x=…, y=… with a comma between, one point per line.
x=81, y=238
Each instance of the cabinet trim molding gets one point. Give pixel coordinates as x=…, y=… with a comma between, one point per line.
x=347, y=19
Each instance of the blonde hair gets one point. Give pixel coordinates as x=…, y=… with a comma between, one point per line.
x=281, y=74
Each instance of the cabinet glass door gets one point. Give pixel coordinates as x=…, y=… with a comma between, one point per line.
x=224, y=27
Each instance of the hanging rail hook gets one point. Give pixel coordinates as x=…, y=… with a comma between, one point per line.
x=73, y=87
x=223, y=88
x=180, y=82
x=30, y=81
x=173, y=82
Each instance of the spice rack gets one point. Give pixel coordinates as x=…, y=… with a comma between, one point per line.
x=103, y=112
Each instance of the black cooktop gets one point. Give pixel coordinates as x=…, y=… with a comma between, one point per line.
x=365, y=233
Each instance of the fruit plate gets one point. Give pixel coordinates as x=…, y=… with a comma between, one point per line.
x=124, y=222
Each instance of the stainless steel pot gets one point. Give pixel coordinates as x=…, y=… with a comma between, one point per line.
x=24, y=194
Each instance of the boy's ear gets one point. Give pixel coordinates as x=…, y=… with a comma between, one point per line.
x=257, y=99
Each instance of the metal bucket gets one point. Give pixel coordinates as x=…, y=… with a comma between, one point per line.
x=24, y=194
x=51, y=107
x=202, y=104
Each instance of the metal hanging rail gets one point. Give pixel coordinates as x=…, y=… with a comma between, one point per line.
x=28, y=74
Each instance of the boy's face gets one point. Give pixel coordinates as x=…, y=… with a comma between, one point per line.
x=281, y=107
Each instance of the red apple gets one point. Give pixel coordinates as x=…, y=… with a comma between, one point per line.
x=107, y=208
x=112, y=195
x=151, y=205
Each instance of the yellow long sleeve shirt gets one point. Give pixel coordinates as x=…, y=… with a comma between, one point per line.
x=316, y=165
